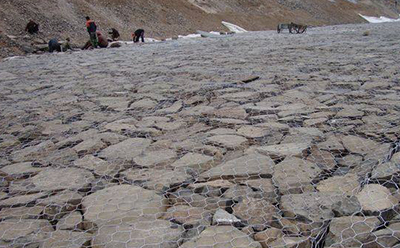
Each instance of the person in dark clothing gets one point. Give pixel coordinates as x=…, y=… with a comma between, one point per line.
x=92, y=28
x=102, y=41
x=32, y=27
x=54, y=45
x=114, y=34
x=139, y=34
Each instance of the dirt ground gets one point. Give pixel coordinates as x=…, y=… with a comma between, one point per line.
x=167, y=18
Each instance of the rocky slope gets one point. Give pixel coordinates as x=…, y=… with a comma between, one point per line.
x=167, y=18
x=252, y=140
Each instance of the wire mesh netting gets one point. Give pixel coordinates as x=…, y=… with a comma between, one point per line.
x=256, y=140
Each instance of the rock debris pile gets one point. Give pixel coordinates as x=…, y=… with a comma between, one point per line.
x=255, y=140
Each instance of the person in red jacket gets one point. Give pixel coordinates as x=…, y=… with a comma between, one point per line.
x=92, y=28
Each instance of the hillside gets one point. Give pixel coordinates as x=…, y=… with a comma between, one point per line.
x=167, y=18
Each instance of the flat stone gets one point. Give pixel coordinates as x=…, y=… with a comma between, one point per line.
x=387, y=237
x=52, y=179
x=291, y=242
x=195, y=161
x=224, y=236
x=265, y=186
x=246, y=167
x=350, y=161
x=347, y=184
x=98, y=166
x=62, y=239
x=33, y=153
x=244, y=96
x=359, y=145
x=89, y=146
x=324, y=159
x=332, y=144
x=63, y=157
x=386, y=171
x=315, y=122
x=115, y=103
x=56, y=206
x=156, y=179
x=21, y=200
x=349, y=113
x=189, y=217
x=19, y=170
x=23, y=232
x=119, y=202
x=120, y=126
x=188, y=197
x=170, y=126
x=34, y=212
x=376, y=198
x=125, y=151
x=212, y=189
x=174, y=108
x=351, y=231
x=268, y=236
x=284, y=150
x=228, y=122
x=138, y=234
x=240, y=192
x=253, y=132
x=70, y=221
x=294, y=175
x=232, y=142
x=145, y=103
x=235, y=113
x=222, y=218
x=318, y=207
x=222, y=131
x=257, y=213
x=154, y=158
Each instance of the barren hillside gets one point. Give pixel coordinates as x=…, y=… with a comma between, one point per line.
x=167, y=18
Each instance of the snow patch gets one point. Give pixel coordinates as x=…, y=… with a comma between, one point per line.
x=382, y=19
x=234, y=28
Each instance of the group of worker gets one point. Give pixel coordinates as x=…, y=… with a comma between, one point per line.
x=96, y=39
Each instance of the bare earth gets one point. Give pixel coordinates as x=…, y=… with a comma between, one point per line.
x=169, y=144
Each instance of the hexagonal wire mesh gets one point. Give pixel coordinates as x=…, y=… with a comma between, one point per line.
x=189, y=149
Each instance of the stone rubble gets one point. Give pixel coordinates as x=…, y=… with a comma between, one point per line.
x=181, y=150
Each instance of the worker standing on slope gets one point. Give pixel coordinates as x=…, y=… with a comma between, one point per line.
x=92, y=28
x=138, y=34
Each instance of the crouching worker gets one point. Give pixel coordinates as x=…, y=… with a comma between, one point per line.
x=139, y=34
x=32, y=27
x=54, y=45
x=114, y=34
x=103, y=42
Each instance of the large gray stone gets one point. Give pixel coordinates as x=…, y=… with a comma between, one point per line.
x=125, y=151
x=24, y=233
x=351, y=231
x=254, y=165
x=318, y=207
x=138, y=234
x=285, y=150
x=295, y=175
x=122, y=201
x=232, y=142
x=375, y=198
x=221, y=236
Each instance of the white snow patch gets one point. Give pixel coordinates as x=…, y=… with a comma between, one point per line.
x=189, y=36
x=234, y=28
x=382, y=19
